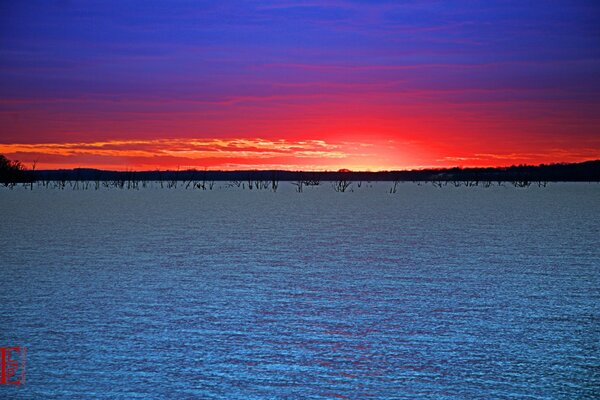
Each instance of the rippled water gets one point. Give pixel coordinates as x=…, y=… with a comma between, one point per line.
x=439, y=293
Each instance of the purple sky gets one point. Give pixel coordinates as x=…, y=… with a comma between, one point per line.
x=304, y=84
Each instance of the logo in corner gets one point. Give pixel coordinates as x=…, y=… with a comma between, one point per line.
x=13, y=365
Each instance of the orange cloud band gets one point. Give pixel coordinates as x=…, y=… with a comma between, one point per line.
x=260, y=153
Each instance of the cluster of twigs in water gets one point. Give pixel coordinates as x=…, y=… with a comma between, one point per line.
x=258, y=184
x=340, y=185
x=474, y=183
x=130, y=184
x=307, y=180
x=520, y=183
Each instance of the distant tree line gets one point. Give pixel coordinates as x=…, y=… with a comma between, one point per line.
x=588, y=171
x=14, y=172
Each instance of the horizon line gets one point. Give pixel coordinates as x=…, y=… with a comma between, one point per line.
x=342, y=170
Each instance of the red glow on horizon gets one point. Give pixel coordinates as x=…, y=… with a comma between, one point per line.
x=257, y=153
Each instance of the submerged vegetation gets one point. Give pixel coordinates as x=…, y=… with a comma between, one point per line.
x=13, y=173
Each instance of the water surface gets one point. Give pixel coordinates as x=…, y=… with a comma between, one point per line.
x=427, y=293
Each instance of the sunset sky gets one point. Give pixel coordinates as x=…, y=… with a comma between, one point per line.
x=314, y=85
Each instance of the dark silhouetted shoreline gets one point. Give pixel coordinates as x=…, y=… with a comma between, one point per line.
x=522, y=175
x=576, y=172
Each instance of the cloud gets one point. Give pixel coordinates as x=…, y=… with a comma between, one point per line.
x=190, y=152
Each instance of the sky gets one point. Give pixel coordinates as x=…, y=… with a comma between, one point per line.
x=311, y=85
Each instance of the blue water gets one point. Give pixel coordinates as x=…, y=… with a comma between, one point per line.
x=457, y=293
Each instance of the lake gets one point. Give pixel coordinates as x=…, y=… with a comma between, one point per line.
x=444, y=293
